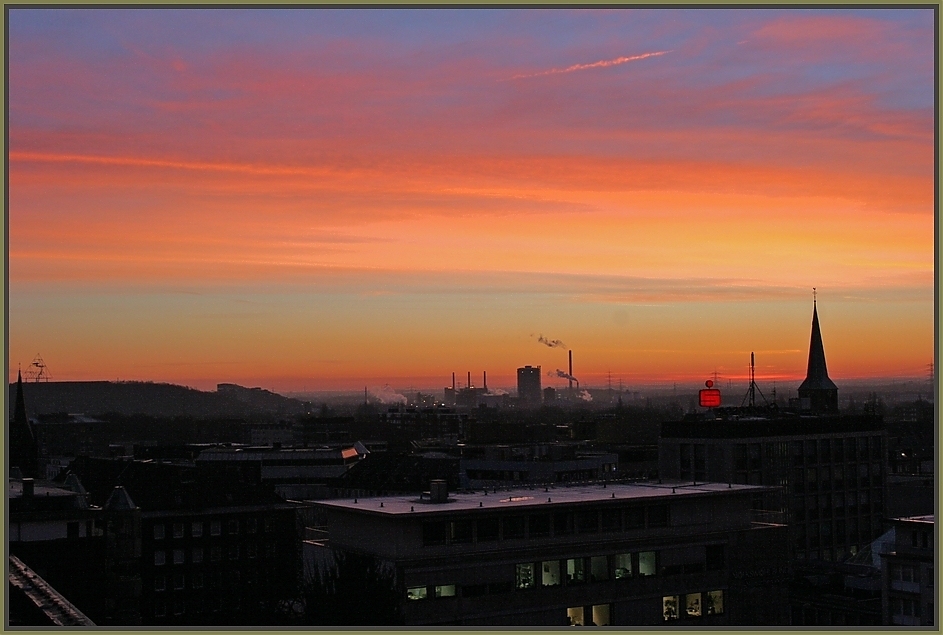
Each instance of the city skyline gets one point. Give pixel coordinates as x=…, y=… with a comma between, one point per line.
x=315, y=199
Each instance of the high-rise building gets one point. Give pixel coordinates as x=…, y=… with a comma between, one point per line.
x=528, y=386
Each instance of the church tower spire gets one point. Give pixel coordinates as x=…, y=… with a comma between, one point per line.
x=23, y=447
x=817, y=393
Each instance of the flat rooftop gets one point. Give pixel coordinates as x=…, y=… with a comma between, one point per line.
x=529, y=498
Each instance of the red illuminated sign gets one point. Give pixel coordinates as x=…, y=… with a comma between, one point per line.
x=710, y=398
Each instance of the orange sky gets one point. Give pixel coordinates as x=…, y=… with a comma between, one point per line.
x=333, y=202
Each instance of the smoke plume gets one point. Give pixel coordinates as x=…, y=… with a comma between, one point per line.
x=563, y=375
x=387, y=395
x=551, y=343
x=585, y=396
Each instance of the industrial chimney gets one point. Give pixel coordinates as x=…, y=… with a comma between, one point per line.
x=571, y=370
x=484, y=380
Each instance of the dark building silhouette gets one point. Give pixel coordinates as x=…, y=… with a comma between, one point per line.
x=528, y=386
x=24, y=451
x=817, y=393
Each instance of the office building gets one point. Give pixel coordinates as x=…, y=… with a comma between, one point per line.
x=528, y=386
x=642, y=554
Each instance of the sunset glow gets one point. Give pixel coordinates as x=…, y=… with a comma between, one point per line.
x=324, y=199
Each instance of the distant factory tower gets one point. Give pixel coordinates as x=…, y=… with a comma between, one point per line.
x=817, y=393
x=528, y=386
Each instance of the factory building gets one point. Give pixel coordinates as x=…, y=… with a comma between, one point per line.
x=642, y=554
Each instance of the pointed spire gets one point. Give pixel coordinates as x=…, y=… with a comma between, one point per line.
x=817, y=386
x=23, y=448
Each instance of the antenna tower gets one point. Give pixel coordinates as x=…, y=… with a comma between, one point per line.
x=38, y=371
x=751, y=392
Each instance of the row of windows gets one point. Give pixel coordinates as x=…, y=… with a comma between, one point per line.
x=233, y=527
x=212, y=579
x=694, y=605
x=836, y=450
x=464, y=531
x=827, y=478
x=233, y=552
x=838, y=504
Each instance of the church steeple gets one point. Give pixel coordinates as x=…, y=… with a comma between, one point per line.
x=23, y=447
x=817, y=393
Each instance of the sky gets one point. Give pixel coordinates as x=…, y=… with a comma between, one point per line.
x=314, y=199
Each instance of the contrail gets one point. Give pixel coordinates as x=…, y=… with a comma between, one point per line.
x=599, y=64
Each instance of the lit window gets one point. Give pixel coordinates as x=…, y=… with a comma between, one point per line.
x=623, y=565
x=158, y=532
x=178, y=530
x=575, y=571
x=575, y=615
x=550, y=573
x=692, y=604
x=196, y=529
x=646, y=563
x=416, y=593
x=160, y=557
x=669, y=605
x=445, y=591
x=714, y=602
x=601, y=615
x=524, y=577
x=178, y=556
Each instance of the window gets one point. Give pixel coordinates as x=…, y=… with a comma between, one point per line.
x=714, y=557
x=487, y=529
x=598, y=568
x=623, y=566
x=634, y=518
x=646, y=563
x=611, y=519
x=232, y=551
x=160, y=557
x=714, y=602
x=433, y=533
x=539, y=526
x=160, y=583
x=178, y=581
x=562, y=524
x=252, y=550
x=252, y=525
x=216, y=528
x=178, y=530
x=575, y=571
x=550, y=573
x=233, y=527
x=692, y=604
x=268, y=525
x=445, y=591
x=197, y=555
x=196, y=529
x=216, y=553
x=178, y=606
x=160, y=609
x=524, y=576
x=601, y=615
x=196, y=580
x=669, y=605
x=514, y=527
x=460, y=531
x=588, y=522
x=575, y=615
x=158, y=532
x=416, y=593
x=658, y=516
x=178, y=556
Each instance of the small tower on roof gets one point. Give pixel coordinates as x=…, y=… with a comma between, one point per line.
x=24, y=451
x=817, y=393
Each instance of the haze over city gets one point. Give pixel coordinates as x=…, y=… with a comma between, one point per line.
x=315, y=200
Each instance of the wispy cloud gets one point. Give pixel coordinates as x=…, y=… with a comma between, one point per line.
x=600, y=64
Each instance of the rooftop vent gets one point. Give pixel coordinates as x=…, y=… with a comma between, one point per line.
x=438, y=491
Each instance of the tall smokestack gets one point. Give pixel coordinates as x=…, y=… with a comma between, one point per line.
x=469, y=380
x=571, y=370
x=484, y=380
x=453, y=382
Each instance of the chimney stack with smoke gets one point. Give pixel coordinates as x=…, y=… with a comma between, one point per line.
x=571, y=370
